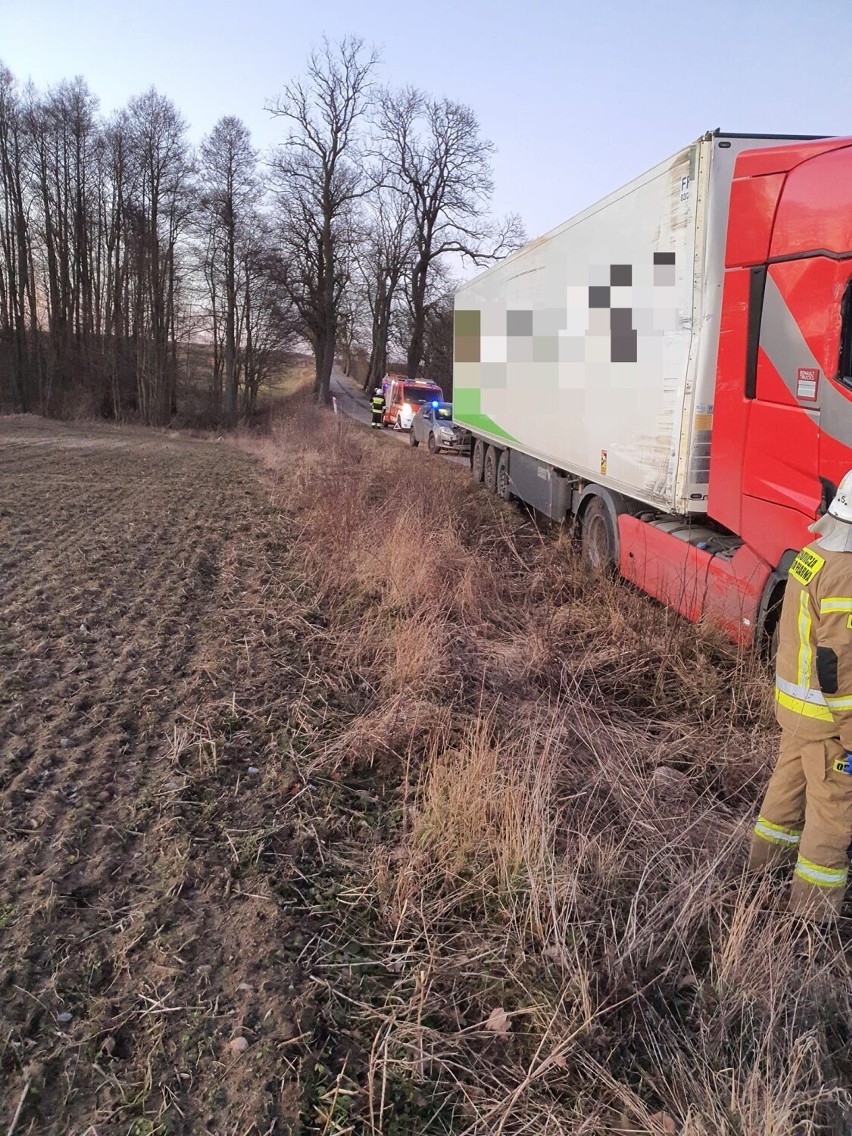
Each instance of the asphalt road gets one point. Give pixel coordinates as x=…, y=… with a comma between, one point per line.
x=351, y=401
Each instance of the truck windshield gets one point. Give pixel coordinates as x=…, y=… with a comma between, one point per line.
x=420, y=395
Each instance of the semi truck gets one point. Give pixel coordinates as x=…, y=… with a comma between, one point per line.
x=672, y=368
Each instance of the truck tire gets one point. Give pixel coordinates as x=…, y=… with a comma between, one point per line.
x=599, y=538
x=503, y=490
x=432, y=445
x=492, y=459
x=412, y=441
x=477, y=461
x=768, y=635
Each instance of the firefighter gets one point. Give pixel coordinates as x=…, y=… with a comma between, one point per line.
x=377, y=406
x=806, y=818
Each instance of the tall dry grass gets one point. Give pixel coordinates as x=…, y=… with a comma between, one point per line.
x=562, y=901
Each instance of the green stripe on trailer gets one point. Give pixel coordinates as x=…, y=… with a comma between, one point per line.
x=467, y=412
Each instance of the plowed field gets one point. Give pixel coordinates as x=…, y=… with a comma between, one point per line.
x=136, y=572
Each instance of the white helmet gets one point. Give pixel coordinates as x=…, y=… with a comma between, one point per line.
x=841, y=506
x=835, y=527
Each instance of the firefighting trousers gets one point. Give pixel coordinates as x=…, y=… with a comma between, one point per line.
x=376, y=419
x=806, y=821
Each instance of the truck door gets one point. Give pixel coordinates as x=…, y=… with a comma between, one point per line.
x=785, y=384
x=836, y=416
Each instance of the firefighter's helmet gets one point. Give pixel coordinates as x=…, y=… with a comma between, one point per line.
x=841, y=506
x=834, y=528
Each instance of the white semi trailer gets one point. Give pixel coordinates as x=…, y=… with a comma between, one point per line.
x=631, y=368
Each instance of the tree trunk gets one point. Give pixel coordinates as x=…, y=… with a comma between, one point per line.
x=325, y=365
x=325, y=357
x=418, y=305
x=230, y=325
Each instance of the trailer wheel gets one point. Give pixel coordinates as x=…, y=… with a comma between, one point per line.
x=503, y=491
x=477, y=461
x=599, y=538
x=492, y=457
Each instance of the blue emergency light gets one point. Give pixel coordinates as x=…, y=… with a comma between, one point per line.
x=436, y=404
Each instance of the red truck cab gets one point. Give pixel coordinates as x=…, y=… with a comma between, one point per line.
x=782, y=415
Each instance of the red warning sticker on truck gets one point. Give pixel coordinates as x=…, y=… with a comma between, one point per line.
x=807, y=382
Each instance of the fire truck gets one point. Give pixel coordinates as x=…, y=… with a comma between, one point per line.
x=404, y=397
x=672, y=368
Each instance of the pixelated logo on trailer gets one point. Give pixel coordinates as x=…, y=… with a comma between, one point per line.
x=537, y=336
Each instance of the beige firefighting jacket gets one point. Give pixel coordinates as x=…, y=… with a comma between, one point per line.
x=813, y=681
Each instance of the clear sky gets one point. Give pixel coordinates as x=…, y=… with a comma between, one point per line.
x=578, y=96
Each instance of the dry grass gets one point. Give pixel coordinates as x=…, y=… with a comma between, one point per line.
x=574, y=770
x=366, y=771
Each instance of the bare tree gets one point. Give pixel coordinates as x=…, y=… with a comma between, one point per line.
x=18, y=341
x=269, y=324
x=384, y=258
x=437, y=360
x=157, y=209
x=229, y=194
x=438, y=343
x=320, y=175
x=62, y=130
x=436, y=154
x=107, y=239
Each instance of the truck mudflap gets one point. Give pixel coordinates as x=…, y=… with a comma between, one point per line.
x=724, y=589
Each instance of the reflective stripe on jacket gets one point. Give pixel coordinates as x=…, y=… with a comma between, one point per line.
x=813, y=682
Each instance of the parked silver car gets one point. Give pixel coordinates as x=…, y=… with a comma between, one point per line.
x=433, y=426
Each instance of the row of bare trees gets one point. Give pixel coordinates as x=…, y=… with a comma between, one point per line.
x=381, y=193
x=138, y=273
x=91, y=214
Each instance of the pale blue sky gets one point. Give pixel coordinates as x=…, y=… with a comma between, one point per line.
x=578, y=97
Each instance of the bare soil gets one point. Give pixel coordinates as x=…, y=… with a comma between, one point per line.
x=155, y=893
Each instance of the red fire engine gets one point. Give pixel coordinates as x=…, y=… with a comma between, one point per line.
x=404, y=397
